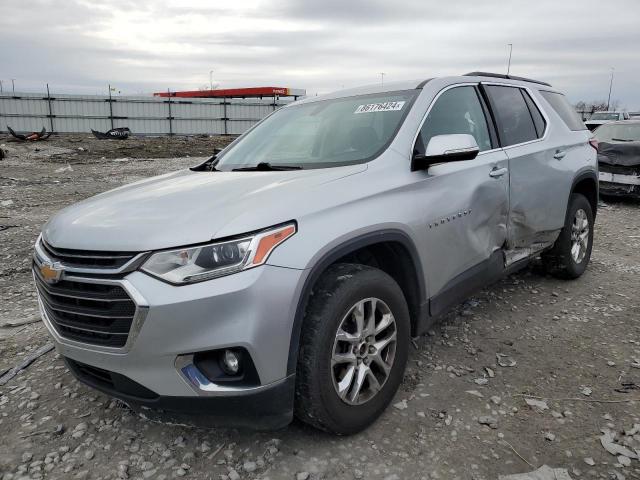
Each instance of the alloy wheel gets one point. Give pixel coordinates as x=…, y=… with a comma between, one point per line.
x=579, y=236
x=363, y=351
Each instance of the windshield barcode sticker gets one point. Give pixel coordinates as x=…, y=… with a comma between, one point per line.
x=380, y=107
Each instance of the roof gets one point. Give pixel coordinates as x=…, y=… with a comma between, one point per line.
x=506, y=77
x=418, y=84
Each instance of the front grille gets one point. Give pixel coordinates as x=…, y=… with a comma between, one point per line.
x=88, y=258
x=93, y=313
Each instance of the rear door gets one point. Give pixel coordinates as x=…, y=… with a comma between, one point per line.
x=465, y=203
x=538, y=183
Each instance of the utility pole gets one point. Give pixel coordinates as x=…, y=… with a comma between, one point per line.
x=510, y=52
x=13, y=85
x=1, y=86
x=211, y=79
x=382, y=74
x=610, y=87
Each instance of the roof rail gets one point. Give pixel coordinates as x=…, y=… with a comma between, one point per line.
x=508, y=77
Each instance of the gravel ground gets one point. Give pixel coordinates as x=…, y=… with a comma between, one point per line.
x=530, y=371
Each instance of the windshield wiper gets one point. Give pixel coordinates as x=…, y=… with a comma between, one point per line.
x=266, y=167
x=622, y=139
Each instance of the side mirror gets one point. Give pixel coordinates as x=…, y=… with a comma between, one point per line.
x=447, y=148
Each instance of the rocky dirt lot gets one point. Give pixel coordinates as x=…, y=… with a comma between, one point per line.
x=530, y=371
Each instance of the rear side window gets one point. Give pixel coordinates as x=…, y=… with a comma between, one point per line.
x=515, y=123
x=564, y=110
x=538, y=119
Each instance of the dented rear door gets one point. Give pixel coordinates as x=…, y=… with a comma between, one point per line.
x=538, y=181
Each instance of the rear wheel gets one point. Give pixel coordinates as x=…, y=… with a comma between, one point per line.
x=571, y=253
x=353, y=349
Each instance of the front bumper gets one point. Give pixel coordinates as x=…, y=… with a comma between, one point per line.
x=253, y=309
x=267, y=408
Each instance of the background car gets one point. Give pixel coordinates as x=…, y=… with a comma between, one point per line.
x=600, y=118
x=619, y=158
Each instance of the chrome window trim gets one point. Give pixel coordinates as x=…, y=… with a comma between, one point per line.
x=500, y=84
x=142, y=309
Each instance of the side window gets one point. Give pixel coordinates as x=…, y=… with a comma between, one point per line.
x=564, y=110
x=458, y=110
x=515, y=124
x=538, y=119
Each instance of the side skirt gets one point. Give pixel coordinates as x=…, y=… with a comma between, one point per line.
x=500, y=264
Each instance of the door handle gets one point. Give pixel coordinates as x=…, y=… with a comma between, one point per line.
x=498, y=172
x=559, y=155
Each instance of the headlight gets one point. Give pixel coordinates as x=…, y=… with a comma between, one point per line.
x=204, y=262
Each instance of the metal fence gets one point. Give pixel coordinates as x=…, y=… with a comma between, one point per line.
x=26, y=112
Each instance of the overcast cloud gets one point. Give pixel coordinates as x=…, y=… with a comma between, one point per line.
x=147, y=45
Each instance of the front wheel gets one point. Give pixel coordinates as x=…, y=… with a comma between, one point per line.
x=353, y=349
x=571, y=253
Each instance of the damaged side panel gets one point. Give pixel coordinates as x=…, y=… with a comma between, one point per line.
x=475, y=223
x=540, y=185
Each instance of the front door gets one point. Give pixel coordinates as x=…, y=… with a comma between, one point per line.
x=467, y=202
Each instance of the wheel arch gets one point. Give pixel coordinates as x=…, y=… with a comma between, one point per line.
x=586, y=183
x=408, y=273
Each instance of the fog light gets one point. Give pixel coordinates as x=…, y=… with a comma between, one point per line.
x=231, y=362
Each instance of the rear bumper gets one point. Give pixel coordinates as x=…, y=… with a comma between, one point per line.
x=617, y=184
x=266, y=408
x=619, y=178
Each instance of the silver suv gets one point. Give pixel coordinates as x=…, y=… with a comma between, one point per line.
x=286, y=274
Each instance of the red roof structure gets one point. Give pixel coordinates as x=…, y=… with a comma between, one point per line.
x=251, y=92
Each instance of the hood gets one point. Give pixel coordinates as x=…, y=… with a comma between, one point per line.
x=621, y=153
x=186, y=207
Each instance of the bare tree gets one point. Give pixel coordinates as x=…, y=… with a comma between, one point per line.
x=588, y=108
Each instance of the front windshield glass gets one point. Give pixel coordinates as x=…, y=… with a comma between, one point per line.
x=620, y=132
x=604, y=116
x=322, y=134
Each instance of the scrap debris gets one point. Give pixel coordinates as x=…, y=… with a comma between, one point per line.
x=543, y=473
x=539, y=404
x=505, y=360
x=120, y=133
x=30, y=137
x=621, y=446
x=24, y=321
x=28, y=360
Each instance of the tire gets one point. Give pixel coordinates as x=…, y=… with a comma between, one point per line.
x=561, y=261
x=334, y=303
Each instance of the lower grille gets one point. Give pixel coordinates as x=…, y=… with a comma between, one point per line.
x=109, y=382
x=92, y=313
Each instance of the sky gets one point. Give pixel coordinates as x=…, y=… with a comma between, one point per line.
x=142, y=46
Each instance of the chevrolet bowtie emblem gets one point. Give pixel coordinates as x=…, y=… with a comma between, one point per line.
x=51, y=272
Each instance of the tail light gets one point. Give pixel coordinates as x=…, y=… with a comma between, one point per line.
x=594, y=143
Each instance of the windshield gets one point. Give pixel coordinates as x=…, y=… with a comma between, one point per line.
x=605, y=116
x=620, y=132
x=322, y=134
